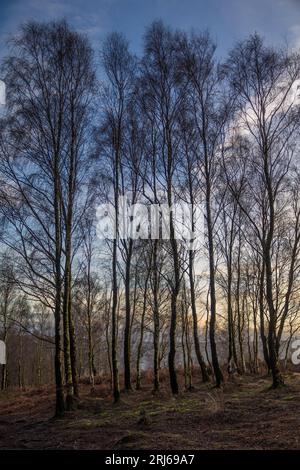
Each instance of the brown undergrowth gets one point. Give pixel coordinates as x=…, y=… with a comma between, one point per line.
x=246, y=414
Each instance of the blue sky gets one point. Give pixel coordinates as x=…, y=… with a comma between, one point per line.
x=228, y=20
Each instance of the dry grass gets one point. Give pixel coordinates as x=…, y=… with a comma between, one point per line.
x=244, y=415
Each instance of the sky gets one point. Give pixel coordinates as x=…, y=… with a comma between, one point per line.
x=227, y=20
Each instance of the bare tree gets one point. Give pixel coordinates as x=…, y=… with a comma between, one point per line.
x=263, y=79
x=51, y=78
x=209, y=116
x=119, y=67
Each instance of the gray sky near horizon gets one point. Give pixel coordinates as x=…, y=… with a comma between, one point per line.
x=227, y=20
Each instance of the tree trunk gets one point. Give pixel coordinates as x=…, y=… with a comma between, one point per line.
x=140, y=345
x=155, y=319
x=175, y=283
x=205, y=376
x=60, y=401
x=127, y=345
x=262, y=320
x=213, y=347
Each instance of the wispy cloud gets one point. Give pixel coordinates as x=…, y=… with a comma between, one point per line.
x=276, y=20
x=295, y=32
x=89, y=17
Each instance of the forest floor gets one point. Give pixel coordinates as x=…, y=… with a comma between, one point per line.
x=246, y=415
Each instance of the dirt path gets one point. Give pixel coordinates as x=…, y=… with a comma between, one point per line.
x=245, y=416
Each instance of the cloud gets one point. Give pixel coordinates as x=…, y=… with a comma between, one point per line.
x=295, y=32
x=274, y=19
x=89, y=17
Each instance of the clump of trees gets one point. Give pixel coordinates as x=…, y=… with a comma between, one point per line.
x=174, y=126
